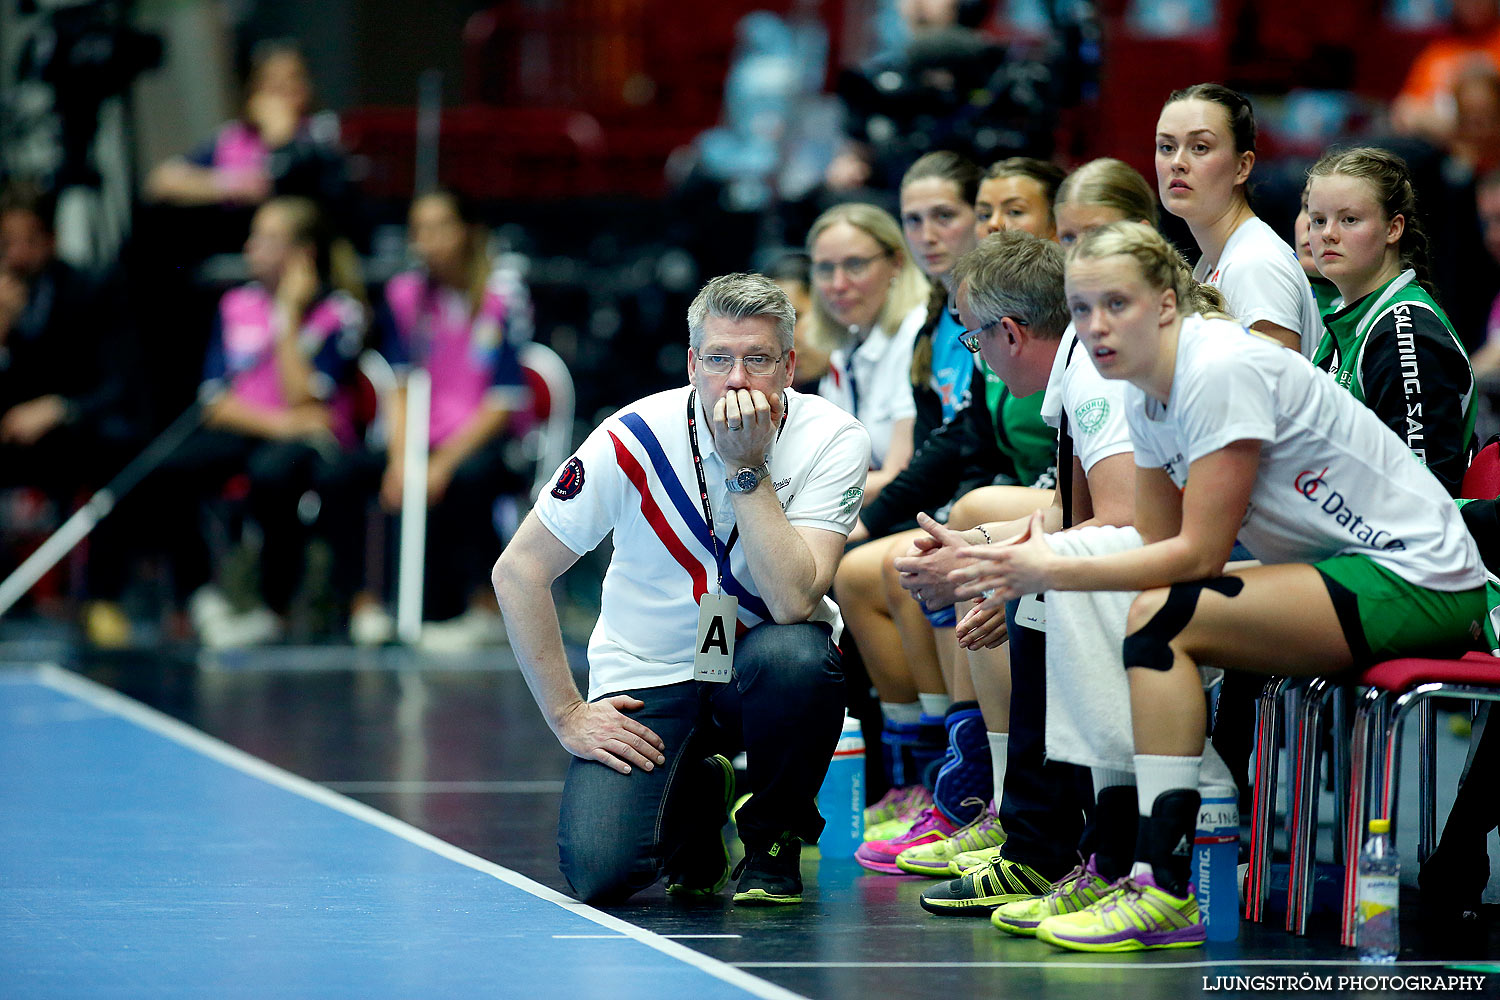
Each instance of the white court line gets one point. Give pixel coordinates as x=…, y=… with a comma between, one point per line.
x=1139, y=966
x=621, y=937
x=179, y=732
x=538, y=787
x=590, y=937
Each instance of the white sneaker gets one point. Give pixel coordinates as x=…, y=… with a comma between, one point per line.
x=371, y=625
x=474, y=629
x=255, y=627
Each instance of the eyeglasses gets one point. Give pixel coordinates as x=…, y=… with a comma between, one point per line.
x=970, y=338
x=755, y=364
x=854, y=267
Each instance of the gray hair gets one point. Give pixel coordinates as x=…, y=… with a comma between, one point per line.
x=741, y=296
x=1013, y=273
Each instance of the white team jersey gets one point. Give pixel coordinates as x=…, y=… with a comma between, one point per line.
x=634, y=476
x=1095, y=405
x=1333, y=480
x=872, y=380
x=1261, y=280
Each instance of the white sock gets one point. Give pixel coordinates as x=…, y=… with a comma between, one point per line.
x=1156, y=775
x=934, y=704
x=1105, y=777
x=999, y=746
x=905, y=712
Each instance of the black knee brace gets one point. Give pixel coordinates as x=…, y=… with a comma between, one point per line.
x=1150, y=645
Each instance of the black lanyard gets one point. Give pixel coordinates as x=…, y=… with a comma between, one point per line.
x=1065, y=449
x=708, y=510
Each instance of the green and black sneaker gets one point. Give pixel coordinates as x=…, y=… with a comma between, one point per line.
x=980, y=890
x=701, y=866
x=771, y=875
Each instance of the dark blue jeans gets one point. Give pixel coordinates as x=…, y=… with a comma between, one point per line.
x=785, y=706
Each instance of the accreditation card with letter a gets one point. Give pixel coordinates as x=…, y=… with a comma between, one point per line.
x=713, y=660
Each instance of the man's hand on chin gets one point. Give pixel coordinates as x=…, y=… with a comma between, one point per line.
x=744, y=424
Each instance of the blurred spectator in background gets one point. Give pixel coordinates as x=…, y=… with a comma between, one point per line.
x=1426, y=106
x=282, y=349
x=452, y=317
x=870, y=301
x=277, y=146
x=68, y=420
x=791, y=274
x=1487, y=196
x=950, y=88
x=1475, y=148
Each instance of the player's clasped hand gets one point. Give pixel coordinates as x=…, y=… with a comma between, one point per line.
x=601, y=731
x=981, y=628
x=926, y=566
x=745, y=422
x=1008, y=569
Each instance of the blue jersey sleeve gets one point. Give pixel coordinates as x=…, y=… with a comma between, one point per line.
x=392, y=345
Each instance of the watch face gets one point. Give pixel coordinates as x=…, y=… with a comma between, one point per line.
x=747, y=480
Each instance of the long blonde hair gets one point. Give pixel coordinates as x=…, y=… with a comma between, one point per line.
x=1113, y=184
x=909, y=289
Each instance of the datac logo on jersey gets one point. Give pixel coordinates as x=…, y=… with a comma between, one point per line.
x=1315, y=488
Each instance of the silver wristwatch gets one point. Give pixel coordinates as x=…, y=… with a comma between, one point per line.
x=745, y=480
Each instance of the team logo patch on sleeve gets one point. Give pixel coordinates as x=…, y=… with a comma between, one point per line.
x=851, y=498
x=569, y=481
x=1090, y=416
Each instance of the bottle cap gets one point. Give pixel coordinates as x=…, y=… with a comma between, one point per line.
x=1380, y=826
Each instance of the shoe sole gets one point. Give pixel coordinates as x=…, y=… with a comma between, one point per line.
x=759, y=897
x=966, y=907
x=1110, y=947
x=677, y=888
x=883, y=867
x=1019, y=930
x=928, y=870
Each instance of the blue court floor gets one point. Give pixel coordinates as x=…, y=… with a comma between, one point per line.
x=298, y=824
x=140, y=858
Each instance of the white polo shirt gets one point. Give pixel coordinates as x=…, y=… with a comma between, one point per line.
x=1333, y=480
x=1094, y=404
x=872, y=380
x=634, y=476
x=1261, y=280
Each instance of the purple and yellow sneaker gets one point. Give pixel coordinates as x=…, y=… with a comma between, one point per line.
x=880, y=855
x=1079, y=888
x=1134, y=915
x=935, y=859
x=894, y=813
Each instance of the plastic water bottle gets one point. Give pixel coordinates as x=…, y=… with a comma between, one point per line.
x=1378, y=933
x=842, y=797
x=1216, y=849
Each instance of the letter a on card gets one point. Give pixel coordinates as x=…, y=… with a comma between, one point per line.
x=713, y=660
